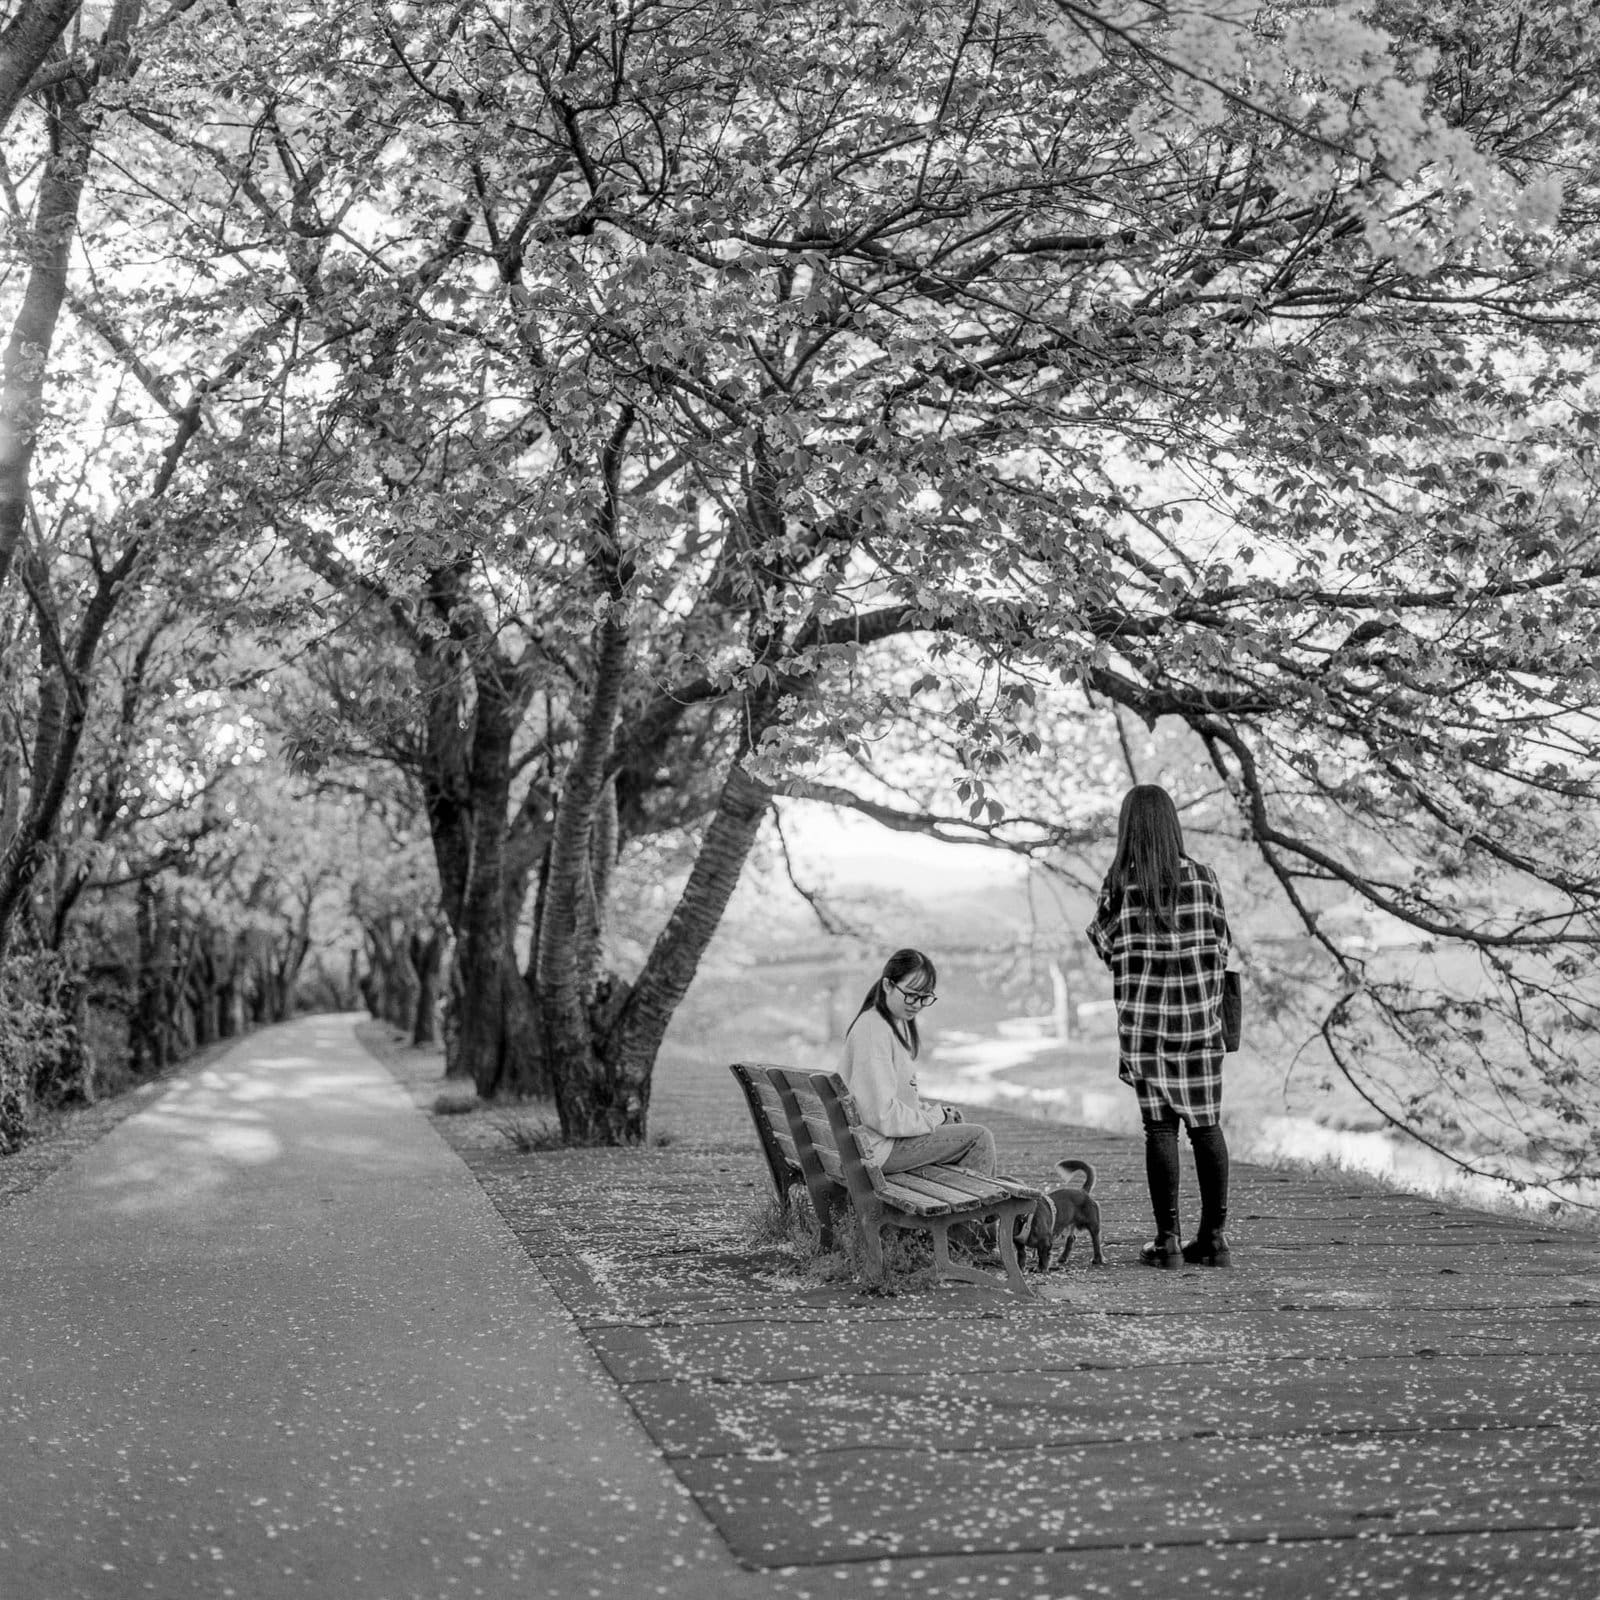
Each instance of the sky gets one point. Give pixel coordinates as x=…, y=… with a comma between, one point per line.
x=848, y=848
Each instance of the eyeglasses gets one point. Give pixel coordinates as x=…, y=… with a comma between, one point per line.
x=915, y=998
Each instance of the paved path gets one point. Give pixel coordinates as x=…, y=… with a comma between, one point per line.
x=268, y=1339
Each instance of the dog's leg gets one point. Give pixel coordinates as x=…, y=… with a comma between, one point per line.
x=1041, y=1228
x=1092, y=1225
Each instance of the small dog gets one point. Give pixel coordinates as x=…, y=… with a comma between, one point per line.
x=1061, y=1211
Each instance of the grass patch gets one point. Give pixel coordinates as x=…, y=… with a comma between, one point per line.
x=907, y=1256
x=456, y=1100
x=527, y=1133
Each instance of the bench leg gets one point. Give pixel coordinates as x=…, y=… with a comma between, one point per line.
x=1006, y=1238
x=872, y=1248
x=946, y=1270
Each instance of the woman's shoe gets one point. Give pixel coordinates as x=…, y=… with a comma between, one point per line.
x=1165, y=1250
x=1208, y=1252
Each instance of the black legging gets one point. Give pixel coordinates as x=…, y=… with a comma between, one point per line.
x=1210, y=1168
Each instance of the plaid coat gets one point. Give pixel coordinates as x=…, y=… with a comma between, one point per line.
x=1168, y=989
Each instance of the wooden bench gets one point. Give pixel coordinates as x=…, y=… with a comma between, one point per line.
x=807, y=1122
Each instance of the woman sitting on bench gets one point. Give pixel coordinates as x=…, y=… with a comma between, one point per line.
x=880, y=1051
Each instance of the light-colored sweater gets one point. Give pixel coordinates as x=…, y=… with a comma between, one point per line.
x=879, y=1072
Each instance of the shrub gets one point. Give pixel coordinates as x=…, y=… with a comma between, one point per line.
x=42, y=1060
x=15, y=1101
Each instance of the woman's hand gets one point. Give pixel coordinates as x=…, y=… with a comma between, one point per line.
x=953, y=1114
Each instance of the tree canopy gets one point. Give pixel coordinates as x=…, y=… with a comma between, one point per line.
x=645, y=411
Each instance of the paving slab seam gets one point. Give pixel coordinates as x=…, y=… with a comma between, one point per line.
x=1112, y=1441
x=1185, y=1315
x=816, y=1375
x=1268, y=1541
x=721, y=1377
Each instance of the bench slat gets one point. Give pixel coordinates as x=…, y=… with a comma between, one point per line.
x=776, y=1120
x=921, y=1198
x=777, y=1145
x=928, y=1184
x=971, y=1185
x=950, y=1181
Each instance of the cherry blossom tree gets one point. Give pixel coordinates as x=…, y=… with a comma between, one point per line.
x=652, y=386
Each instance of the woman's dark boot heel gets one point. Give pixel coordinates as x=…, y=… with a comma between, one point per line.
x=1165, y=1250
x=1209, y=1251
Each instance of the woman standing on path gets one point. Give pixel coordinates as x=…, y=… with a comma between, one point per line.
x=1161, y=928
x=880, y=1052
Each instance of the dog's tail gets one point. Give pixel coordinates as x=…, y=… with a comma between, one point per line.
x=1064, y=1167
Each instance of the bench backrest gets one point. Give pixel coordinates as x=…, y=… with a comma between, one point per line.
x=822, y=1113
x=806, y=1122
x=771, y=1118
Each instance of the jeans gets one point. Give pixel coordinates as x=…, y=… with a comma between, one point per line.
x=955, y=1144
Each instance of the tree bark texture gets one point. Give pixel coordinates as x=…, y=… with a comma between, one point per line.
x=427, y=961
x=27, y=353
x=150, y=1030
x=26, y=42
x=391, y=984
x=64, y=710
x=22, y=379
x=496, y=1038
x=582, y=1099
x=630, y=1047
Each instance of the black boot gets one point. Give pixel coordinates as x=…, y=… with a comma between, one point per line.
x=1202, y=1251
x=1161, y=1173
x=1165, y=1250
x=1209, y=1247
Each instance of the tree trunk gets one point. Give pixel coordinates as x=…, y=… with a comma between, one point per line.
x=391, y=985
x=26, y=44
x=286, y=962
x=205, y=996
x=427, y=960
x=150, y=1038
x=28, y=349
x=401, y=987
x=496, y=1038
x=587, y=1110
x=612, y=1106
x=490, y=1025
x=237, y=1013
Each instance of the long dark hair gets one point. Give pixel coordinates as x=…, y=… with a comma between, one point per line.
x=1149, y=852
x=903, y=964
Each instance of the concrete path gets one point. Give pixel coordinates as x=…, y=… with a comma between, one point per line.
x=268, y=1338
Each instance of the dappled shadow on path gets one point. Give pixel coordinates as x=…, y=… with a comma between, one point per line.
x=204, y=1144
